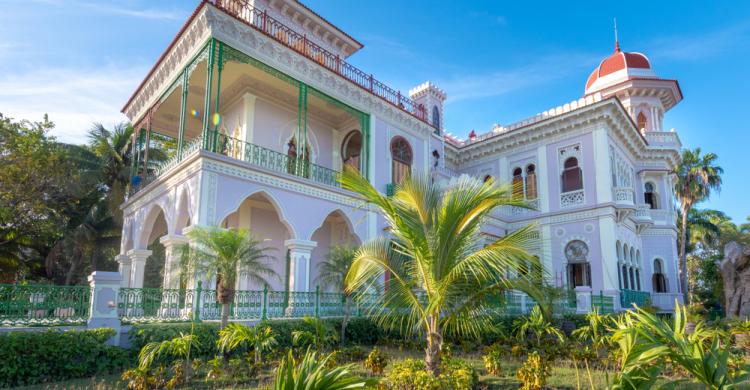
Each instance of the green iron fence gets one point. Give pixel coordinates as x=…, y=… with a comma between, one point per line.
x=605, y=304
x=43, y=305
x=630, y=297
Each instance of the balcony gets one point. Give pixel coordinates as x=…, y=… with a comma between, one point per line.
x=642, y=217
x=663, y=139
x=623, y=196
x=243, y=11
x=256, y=155
x=572, y=198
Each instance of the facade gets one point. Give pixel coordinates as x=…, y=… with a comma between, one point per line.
x=265, y=110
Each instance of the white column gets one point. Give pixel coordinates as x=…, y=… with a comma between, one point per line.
x=299, y=267
x=172, y=252
x=248, y=130
x=123, y=267
x=542, y=176
x=602, y=169
x=138, y=266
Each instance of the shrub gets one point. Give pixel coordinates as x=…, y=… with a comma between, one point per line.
x=314, y=373
x=411, y=374
x=205, y=334
x=534, y=372
x=493, y=359
x=34, y=357
x=376, y=361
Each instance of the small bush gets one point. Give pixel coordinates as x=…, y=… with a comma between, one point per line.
x=534, y=372
x=493, y=359
x=35, y=357
x=411, y=374
x=376, y=362
x=205, y=334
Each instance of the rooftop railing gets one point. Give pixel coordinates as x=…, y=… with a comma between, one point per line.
x=261, y=21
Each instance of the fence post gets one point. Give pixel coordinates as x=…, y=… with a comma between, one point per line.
x=317, y=301
x=105, y=289
x=264, y=306
x=197, y=305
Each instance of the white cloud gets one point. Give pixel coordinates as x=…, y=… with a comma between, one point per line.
x=115, y=7
x=74, y=98
x=708, y=44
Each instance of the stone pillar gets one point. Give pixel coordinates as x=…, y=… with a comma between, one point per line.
x=172, y=253
x=299, y=273
x=138, y=266
x=123, y=267
x=105, y=287
x=583, y=299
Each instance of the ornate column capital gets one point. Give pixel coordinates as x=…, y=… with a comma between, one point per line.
x=171, y=240
x=139, y=254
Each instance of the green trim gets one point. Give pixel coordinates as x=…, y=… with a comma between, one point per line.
x=183, y=120
x=218, y=91
x=232, y=54
x=207, y=96
x=330, y=99
x=197, y=58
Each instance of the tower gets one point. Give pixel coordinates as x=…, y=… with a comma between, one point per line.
x=630, y=77
x=431, y=98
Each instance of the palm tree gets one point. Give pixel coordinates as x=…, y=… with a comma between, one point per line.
x=537, y=326
x=319, y=336
x=176, y=348
x=439, y=274
x=332, y=273
x=696, y=176
x=224, y=253
x=261, y=339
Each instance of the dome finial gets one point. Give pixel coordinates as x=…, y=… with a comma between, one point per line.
x=617, y=42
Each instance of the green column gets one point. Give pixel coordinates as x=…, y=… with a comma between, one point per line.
x=218, y=93
x=207, y=100
x=364, y=120
x=183, y=106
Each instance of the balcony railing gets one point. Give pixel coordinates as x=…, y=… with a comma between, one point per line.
x=623, y=195
x=275, y=161
x=572, y=198
x=261, y=21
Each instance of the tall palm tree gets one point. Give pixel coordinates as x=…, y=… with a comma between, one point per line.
x=225, y=253
x=439, y=273
x=696, y=176
x=332, y=273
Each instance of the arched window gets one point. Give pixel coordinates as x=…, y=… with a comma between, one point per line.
x=659, y=281
x=401, y=156
x=436, y=119
x=642, y=121
x=650, y=195
x=638, y=279
x=619, y=261
x=531, y=182
x=624, y=277
x=579, y=269
x=632, y=278
x=517, y=183
x=572, y=177
x=351, y=149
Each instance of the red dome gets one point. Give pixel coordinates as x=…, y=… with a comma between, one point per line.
x=616, y=62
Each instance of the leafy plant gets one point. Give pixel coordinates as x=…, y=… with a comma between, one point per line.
x=376, y=361
x=534, y=372
x=313, y=373
x=260, y=338
x=440, y=275
x=320, y=337
x=411, y=374
x=175, y=349
x=536, y=326
x=332, y=274
x=493, y=359
x=225, y=253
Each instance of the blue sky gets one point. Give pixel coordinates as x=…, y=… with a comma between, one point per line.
x=499, y=62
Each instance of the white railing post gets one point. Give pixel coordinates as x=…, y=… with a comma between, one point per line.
x=105, y=288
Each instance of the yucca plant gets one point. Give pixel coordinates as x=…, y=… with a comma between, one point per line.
x=178, y=348
x=438, y=270
x=312, y=372
x=260, y=338
x=320, y=336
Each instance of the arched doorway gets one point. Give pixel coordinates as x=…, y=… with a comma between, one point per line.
x=335, y=231
x=351, y=149
x=579, y=269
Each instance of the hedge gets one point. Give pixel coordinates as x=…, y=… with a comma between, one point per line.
x=37, y=357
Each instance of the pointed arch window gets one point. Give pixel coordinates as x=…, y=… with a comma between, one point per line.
x=436, y=119
x=650, y=196
x=572, y=177
x=401, y=156
x=518, y=183
x=351, y=149
x=531, y=191
x=642, y=121
x=659, y=280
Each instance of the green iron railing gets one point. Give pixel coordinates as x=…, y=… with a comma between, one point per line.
x=605, y=304
x=43, y=305
x=274, y=161
x=630, y=297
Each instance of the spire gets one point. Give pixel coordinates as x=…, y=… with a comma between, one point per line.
x=617, y=42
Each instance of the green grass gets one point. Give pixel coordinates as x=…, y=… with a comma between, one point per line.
x=563, y=377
